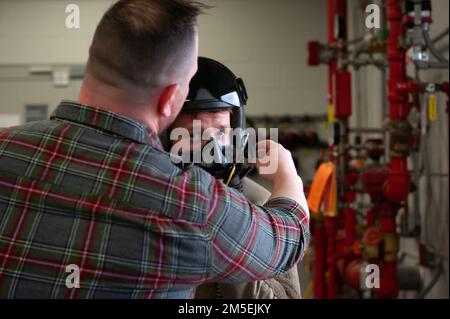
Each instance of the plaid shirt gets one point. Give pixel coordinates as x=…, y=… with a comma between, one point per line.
x=93, y=189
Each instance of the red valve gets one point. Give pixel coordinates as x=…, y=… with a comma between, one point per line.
x=313, y=53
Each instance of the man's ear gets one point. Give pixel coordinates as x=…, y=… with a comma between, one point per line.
x=166, y=100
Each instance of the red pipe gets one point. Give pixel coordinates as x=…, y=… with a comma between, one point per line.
x=343, y=94
x=331, y=12
x=397, y=65
x=389, y=284
x=331, y=229
x=337, y=29
x=398, y=183
x=371, y=216
x=319, y=261
x=350, y=228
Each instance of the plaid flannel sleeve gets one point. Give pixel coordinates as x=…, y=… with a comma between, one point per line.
x=251, y=242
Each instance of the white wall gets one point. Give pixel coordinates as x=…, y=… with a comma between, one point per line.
x=263, y=41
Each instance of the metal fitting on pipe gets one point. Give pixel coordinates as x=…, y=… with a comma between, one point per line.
x=401, y=138
x=390, y=247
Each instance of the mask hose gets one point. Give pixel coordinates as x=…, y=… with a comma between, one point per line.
x=233, y=169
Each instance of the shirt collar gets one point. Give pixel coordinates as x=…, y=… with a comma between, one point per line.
x=107, y=121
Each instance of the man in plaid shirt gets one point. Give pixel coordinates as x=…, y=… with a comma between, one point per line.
x=91, y=188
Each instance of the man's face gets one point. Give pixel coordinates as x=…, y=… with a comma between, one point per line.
x=213, y=124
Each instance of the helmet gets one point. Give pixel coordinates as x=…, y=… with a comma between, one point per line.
x=215, y=87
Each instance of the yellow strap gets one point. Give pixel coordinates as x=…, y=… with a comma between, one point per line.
x=432, y=108
x=323, y=190
x=330, y=113
x=231, y=174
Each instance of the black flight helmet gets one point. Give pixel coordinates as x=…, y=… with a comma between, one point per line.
x=215, y=87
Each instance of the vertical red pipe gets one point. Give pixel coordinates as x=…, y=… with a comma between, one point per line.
x=337, y=29
x=398, y=183
x=331, y=229
x=397, y=187
x=331, y=40
x=350, y=227
x=371, y=216
x=319, y=261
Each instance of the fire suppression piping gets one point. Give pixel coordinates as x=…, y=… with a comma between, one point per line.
x=351, y=245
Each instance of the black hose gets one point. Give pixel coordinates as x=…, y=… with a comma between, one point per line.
x=440, y=36
x=433, y=50
x=433, y=281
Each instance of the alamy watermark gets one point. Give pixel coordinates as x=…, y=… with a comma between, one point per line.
x=370, y=276
x=372, y=21
x=73, y=278
x=373, y=18
x=73, y=16
x=196, y=147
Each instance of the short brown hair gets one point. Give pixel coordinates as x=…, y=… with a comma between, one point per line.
x=136, y=40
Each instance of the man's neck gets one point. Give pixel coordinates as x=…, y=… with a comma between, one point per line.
x=112, y=99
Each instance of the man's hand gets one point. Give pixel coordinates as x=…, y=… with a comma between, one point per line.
x=275, y=164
